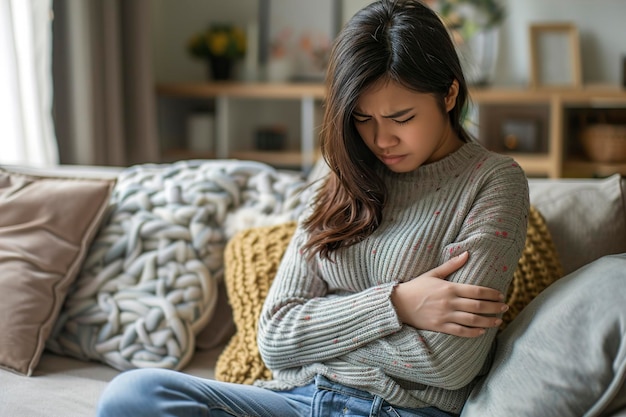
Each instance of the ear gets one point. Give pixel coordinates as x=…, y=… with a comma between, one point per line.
x=450, y=99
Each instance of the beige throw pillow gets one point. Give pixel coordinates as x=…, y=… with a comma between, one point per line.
x=46, y=226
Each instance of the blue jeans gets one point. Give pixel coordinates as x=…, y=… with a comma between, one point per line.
x=165, y=393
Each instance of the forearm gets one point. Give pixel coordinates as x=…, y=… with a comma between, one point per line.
x=435, y=358
x=419, y=357
x=302, y=323
x=318, y=329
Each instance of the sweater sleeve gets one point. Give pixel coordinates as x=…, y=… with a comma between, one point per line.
x=301, y=323
x=494, y=233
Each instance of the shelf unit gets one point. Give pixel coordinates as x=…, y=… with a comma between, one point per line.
x=308, y=95
x=559, y=159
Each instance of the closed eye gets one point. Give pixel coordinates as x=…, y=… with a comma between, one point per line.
x=405, y=121
x=361, y=120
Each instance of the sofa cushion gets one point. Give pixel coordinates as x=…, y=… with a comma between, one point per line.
x=586, y=217
x=565, y=354
x=253, y=257
x=537, y=268
x=62, y=386
x=150, y=282
x=46, y=226
x=221, y=326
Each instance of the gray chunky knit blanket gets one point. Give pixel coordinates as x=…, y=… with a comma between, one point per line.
x=149, y=282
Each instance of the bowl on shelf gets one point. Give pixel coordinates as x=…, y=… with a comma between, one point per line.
x=604, y=142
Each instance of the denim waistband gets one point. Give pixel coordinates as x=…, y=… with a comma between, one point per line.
x=321, y=382
x=377, y=402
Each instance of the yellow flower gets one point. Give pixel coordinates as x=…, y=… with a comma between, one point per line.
x=218, y=43
x=218, y=40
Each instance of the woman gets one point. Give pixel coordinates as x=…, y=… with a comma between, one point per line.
x=387, y=300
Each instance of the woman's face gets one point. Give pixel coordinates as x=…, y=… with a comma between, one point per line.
x=403, y=128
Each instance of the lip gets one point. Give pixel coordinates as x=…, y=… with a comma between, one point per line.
x=391, y=159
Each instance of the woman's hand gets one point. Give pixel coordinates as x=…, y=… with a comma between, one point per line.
x=429, y=302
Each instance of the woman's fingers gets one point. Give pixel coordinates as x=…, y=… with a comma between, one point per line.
x=484, y=307
x=476, y=292
x=464, y=290
x=456, y=322
x=430, y=302
x=448, y=267
x=474, y=320
x=462, y=331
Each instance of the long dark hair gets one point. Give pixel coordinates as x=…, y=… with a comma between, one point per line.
x=399, y=40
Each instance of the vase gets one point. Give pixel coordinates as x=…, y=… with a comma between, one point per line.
x=478, y=56
x=220, y=68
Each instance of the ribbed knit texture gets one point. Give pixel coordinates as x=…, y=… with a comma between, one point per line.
x=336, y=318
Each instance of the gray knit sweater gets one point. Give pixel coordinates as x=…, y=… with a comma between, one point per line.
x=336, y=318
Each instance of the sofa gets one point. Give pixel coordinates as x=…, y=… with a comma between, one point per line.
x=75, y=350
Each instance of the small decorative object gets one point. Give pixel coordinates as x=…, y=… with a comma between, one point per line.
x=296, y=36
x=474, y=25
x=314, y=52
x=555, y=55
x=514, y=127
x=221, y=45
x=520, y=135
x=280, y=61
x=605, y=142
x=271, y=138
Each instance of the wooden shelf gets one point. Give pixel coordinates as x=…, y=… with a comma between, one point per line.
x=277, y=158
x=243, y=90
x=588, y=94
x=178, y=154
x=552, y=163
x=582, y=168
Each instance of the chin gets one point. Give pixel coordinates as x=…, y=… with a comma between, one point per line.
x=402, y=169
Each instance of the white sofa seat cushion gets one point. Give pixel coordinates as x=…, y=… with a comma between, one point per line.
x=66, y=387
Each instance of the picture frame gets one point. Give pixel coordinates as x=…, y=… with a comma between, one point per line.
x=293, y=46
x=555, y=60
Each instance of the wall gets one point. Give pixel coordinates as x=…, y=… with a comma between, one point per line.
x=602, y=36
x=600, y=22
x=174, y=21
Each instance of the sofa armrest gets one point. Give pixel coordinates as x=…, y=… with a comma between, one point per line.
x=83, y=171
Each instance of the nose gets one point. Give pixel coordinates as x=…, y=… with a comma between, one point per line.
x=384, y=138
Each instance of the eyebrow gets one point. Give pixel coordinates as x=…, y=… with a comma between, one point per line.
x=399, y=113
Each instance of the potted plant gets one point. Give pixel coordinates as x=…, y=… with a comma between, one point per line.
x=221, y=45
x=474, y=27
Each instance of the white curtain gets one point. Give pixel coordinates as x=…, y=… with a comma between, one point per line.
x=26, y=123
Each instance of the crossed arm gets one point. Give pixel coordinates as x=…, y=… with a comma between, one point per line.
x=420, y=330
